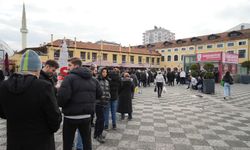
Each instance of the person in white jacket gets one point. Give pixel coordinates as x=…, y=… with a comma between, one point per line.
x=159, y=80
x=182, y=76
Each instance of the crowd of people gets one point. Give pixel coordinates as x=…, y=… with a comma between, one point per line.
x=35, y=103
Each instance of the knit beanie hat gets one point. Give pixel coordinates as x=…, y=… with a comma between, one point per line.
x=30, y=61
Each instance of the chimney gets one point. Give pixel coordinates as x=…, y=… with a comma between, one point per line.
x=242, y=27
x=51, y=39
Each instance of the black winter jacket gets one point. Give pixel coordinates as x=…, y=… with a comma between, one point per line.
x=125, y=96
x=115, y=85
x=46, y=77
x=104, y=83
x=78, y=93
x=31, y=110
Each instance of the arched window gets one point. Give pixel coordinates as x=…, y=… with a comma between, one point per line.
x=169, y=57
x=176, y=57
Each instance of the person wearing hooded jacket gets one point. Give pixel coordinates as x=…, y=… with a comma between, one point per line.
x=125, y=97
x=102, y=105
x=30, y=108
x=114, y=83
x=77, y=97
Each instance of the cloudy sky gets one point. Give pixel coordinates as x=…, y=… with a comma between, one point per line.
x=121, y=21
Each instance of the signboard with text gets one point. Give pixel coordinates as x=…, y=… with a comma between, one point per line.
x=206, y=57
x=230, y=58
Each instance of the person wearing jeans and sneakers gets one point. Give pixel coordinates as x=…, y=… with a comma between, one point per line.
x=115, y=83
x=228, y=80
x=101, y=105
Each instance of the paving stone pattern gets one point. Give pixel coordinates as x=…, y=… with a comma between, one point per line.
x=180, y=120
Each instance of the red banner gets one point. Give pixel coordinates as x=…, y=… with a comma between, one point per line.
x=213, y=56
x=230, y=58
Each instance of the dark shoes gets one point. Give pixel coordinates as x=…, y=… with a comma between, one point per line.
x=100, y=138
x=122, y=117
x=114, y=127
x=130, y=117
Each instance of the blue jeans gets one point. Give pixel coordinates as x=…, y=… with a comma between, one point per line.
x=79, y=141
x=112, y=105
x=227, y=90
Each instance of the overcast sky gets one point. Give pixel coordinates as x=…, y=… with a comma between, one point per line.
x=121, y=21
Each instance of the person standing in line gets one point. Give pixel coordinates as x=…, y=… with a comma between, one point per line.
x=77, y=97
x=135, y=81
x=79, y=145
x=182, y=76
x=115, y=83
x=228, y=80
x=102, y=105
x=30, y=107
x=48, y=71
x=125, y=98
x=159, y=80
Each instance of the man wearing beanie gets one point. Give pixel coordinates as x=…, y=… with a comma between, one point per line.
x=30, y=107
x=77, y=97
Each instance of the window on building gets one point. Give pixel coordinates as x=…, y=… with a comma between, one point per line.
x=220, y=45
x=169, y=50
x=114, y=58
x=153, y=61
x=234, y=34
x=163, y=51
x=169, y=57
x=176, y=49
x=182, y=57
x=212, y=37
x=242, y=43
x=94, y=57
x=139, y=59
x=71, y=54
x=56, y=54
x=162, y=58
x=200, y=47
x=88, y=55
x=158, y=61
x=123, y=58
x=183, y=48
x=83, y=56
x=105, y=57
x=229, y=44
x=147, y=60
x=176, y=57
x=242, y=53
x=132, y=59
x=191, y=48
x=231, y=51
x=210, y=46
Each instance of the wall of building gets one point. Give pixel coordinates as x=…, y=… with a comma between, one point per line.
x=236, y=48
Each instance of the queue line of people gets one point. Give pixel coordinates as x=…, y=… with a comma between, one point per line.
x=30, y=101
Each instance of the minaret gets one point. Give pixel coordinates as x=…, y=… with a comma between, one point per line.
x=24, y=29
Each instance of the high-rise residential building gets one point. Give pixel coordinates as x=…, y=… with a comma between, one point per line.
x=158, y=34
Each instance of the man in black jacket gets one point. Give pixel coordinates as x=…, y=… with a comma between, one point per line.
x=77, y=96
x=48, y=71
x=30, y=108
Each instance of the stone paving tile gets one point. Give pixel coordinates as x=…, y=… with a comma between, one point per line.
x=178, y=121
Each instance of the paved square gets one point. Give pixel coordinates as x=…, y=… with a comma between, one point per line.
x=179, y=120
